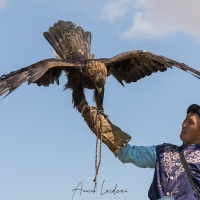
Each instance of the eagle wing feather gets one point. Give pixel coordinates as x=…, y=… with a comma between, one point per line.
x=133, y=65
x=43, y=73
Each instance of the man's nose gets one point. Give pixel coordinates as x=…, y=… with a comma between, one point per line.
x=183, y=125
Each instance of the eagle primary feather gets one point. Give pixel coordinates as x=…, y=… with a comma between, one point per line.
x=72, y=45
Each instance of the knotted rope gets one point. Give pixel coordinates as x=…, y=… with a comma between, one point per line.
x=99, y=136
x=97, y=122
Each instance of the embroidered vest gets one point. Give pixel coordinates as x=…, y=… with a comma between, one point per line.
x=170, y=178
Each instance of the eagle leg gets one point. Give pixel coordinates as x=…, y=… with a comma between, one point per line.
x=78, y=95
x=98, y=98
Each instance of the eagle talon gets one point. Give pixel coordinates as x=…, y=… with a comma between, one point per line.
x=101, y=112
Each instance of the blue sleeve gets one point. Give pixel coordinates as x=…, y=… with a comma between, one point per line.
x=141, y=156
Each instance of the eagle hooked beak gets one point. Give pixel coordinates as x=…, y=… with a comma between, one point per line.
x=99, y=90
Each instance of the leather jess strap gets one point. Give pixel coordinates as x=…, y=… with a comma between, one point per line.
x=188, y=172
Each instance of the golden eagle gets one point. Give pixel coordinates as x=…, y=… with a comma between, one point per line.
x=72, y=46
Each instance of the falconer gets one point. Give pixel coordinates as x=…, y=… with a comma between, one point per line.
x=170, y=179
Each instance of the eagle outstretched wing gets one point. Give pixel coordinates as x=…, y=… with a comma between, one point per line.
x=134, y=65
x=42, y=73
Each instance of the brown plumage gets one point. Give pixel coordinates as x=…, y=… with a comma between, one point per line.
x=72, y=46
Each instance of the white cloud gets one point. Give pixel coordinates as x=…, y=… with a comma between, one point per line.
x=144, y=28
x=156, y=18
x=172, y=16
x=2, y=3
x=115, y=9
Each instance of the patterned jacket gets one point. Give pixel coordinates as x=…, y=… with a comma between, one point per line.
x=170, y=178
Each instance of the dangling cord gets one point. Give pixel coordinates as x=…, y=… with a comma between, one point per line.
x=99, y=133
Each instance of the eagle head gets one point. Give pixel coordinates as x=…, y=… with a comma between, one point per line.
x=97, y=73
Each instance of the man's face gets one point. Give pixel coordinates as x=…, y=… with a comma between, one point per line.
x=190, y=133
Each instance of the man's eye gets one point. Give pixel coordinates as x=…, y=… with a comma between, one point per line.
x=191, y=122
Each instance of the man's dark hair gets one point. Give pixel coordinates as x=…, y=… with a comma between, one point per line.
x=194, y=108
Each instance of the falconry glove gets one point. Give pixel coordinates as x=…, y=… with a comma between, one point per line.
x=101, y=126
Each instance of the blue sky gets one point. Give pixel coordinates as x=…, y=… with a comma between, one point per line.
x=46, y=149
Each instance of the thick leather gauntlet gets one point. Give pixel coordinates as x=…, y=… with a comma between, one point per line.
x=100, y=125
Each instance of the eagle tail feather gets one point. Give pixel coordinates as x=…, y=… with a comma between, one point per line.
x=54, y=43
x=70, y=42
